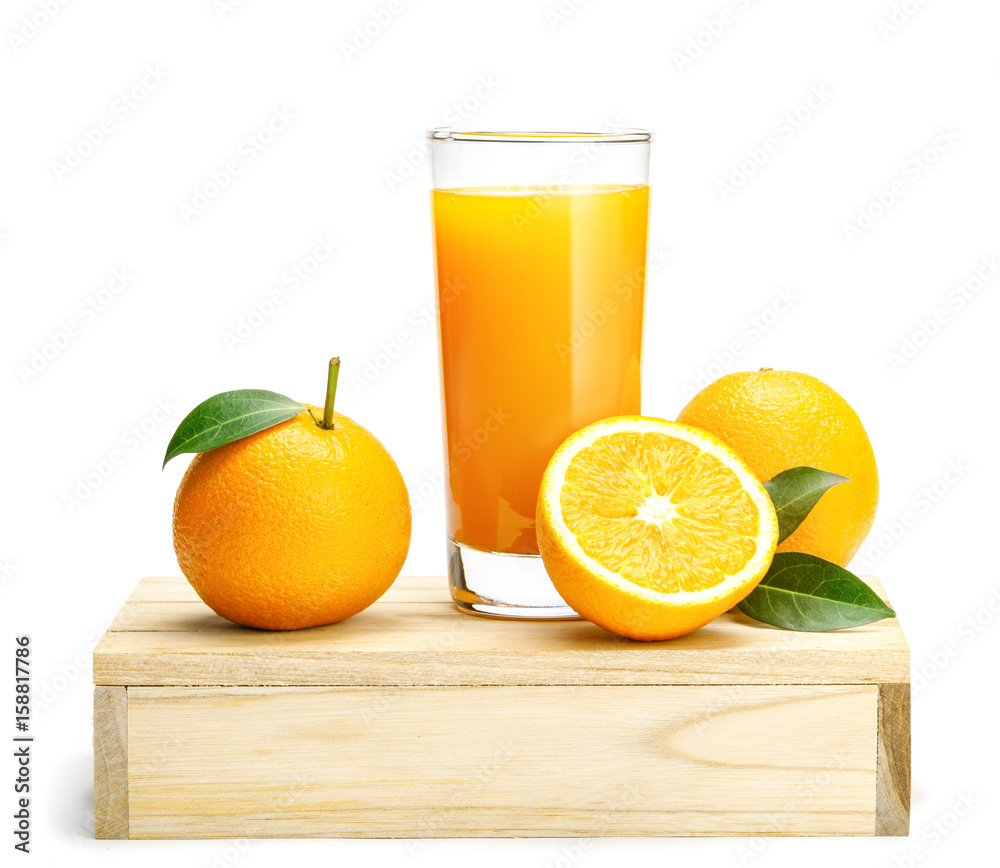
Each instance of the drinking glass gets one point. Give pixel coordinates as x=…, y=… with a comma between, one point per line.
x=540, y=243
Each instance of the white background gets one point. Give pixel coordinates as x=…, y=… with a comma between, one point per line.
x=71, y=214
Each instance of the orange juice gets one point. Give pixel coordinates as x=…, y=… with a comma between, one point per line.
x=541, y=297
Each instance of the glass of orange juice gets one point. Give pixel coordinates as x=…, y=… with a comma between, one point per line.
x=540, y=242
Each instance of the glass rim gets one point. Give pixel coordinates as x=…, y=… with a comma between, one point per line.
x=618, y=134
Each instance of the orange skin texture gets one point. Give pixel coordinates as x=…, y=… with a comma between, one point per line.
x=294, y=526
x=776, y=420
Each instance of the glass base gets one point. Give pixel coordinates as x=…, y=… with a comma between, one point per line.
x=500, y=585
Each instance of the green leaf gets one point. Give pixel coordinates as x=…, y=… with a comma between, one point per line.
x=230, y=416
x=804, y=592
x=795, y=492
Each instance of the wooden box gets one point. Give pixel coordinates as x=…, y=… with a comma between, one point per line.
x=413, y=719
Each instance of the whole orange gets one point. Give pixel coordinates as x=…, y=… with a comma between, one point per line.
x=776, y=420
x=294, y=526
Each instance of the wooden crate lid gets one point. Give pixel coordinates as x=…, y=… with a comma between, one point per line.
x=414, y=636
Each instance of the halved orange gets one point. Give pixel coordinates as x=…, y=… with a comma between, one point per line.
x=651, y=528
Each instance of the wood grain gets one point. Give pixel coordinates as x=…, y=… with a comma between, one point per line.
x=110, y=763
x=413, y=719
x=499, y=761
x=893, y=777
x=414, y=635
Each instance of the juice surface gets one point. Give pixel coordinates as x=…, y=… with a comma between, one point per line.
x=541, y=297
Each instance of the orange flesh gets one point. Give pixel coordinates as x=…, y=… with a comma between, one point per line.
x=659, y=512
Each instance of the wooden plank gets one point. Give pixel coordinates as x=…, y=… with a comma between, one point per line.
x=152, y=616
x=499, y=761
x=892, y=783
x=110, y=763
x=414, y=648
x=163, y=589
x=399, y=642
x=180, y=616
